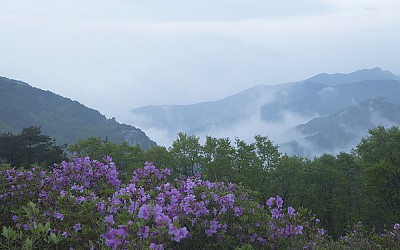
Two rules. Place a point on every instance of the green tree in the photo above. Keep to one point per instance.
(286, 180)
(247, 166)
(92, 146)
(267, 152)
(351, 211)
(186, 152)
(380, 156)
(326, 192)
(9, 148)
(30, 147)
(159, 156)
(125, 157)
(245, 156)
(218, 156)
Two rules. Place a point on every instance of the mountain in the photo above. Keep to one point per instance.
(22, 105)
(269, 109)
(357, 76)
(310, 98)
(344, 129)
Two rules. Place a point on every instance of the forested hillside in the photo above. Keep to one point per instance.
(65, 120)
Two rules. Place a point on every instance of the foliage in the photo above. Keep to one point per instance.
(65, 120)
(217, 160)
(126, 157)
(29, 147)
(83, 204)
(380, 155)
(64, 195)
(186, 153)
(342, 189)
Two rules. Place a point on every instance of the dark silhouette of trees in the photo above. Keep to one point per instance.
(29, 147)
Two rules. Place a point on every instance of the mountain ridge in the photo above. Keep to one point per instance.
(271, 107)
(68, 121)
(356, 76)
(345, 127)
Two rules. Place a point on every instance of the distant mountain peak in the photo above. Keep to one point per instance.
(356, 76)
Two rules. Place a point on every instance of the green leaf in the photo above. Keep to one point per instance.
(40, 228)
(6, 232)
(244, 218)
(46, 227)
(28, 243)
(53, 238)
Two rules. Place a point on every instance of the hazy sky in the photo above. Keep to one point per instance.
(116, 55)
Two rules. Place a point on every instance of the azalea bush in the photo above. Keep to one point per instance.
(83, 204)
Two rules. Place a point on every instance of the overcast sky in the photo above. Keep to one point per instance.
(116, 55)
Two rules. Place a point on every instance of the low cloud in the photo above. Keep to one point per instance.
(327, 91)
(245, 129)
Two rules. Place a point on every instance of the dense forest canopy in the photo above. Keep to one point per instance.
(361, 186)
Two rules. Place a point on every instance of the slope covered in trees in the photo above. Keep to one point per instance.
(61, 118)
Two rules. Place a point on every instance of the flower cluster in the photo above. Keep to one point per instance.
(84, 202)
(59, 194)
(178, 214)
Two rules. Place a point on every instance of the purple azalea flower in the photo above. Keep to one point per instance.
(396, 226)
(144, 212)
(270, 202)
(156, 246)
(275, 213)
(58, 215)
(288, 230)
(43, 194)
(111, 238)
(290, 211)
(238, 211)
(143, 232)
(298, 230)
(262, 240)
(81, 199)
(157, 212)
(77, 227)
(279, 201)
(213, 226)
(253, 236)
(122, 231)
(109, 219)
(63, 193)
(177, 234)
(65, 234)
